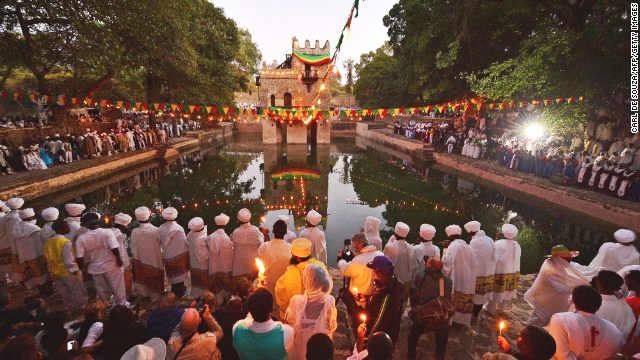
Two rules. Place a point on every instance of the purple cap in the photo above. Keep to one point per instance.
(382, 264)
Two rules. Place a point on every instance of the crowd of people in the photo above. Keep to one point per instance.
(261, 298)
(126, 135)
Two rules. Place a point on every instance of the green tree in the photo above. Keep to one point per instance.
(379, 83)
(349, 66)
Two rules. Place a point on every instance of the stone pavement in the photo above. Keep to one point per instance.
(464, 343)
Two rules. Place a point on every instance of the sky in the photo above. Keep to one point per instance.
(273, 23)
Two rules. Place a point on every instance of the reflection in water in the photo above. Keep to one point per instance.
(344, 182)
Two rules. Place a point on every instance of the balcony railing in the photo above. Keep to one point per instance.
(309, 76)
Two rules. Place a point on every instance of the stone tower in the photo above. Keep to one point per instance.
(294, 84)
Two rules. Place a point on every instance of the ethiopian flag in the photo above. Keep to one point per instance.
(295, 173)
(313, 60)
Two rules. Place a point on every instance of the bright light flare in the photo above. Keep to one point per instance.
(260, 266)
(534, 131)
(363, 317)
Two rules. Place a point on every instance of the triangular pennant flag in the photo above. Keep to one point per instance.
(33, 97)
(192, 108)
(119, 104)
(546, 102)
(225, 110)
(208, 108)
(88, 101)
(173, 107)
(103, 103)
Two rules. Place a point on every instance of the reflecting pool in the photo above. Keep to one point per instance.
(345, 181)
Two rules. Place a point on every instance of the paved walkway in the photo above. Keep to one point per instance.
(21, 178)
(582, 193)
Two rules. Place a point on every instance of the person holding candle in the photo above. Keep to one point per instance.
(361, 276)
(425, 288)
(313, 312)
(275, 255)
(534, 343)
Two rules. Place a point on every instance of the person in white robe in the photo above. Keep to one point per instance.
(275, 256)
(146, 248)
(616, 310)
(198, 256)
(507, 269)
(29, 260)
(316, 236)
(425, 247)
(402, 256)
(246, 241)
(97, 252)
(482, 246)
(49, 215)
(175, 251)
(313, 312)
(74, 212)
(7, 223)
(220, 256)
(550, 292)
(120, 223)
(290, 235)
(459, 264)
(372, 231)
(583, 334)
(615, 256)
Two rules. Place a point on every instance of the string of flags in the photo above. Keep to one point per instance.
(282, 114)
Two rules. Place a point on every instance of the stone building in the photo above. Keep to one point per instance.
(294, 84)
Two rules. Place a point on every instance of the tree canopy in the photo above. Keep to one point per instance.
(160, 51)
(507, 50)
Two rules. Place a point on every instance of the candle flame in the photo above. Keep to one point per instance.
(363, 317)
(260, 266)
(355, 290)
(501, 325)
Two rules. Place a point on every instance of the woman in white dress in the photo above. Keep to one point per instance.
(314, 312)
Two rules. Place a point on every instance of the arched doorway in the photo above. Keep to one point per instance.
(287, 101)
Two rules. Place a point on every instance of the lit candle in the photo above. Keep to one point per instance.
(501, 326)
(261, 280)
(355, 290)
(363, 317)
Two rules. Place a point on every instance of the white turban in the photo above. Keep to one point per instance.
(196, 224)
(143, 213)
(50, 214)
(453, 230)
(427, 231)
(74, 209)
(472, 226)
(27, 213)
(624, 236)
(371, 226)
(122, 219)
(170, 213)
(314, 217)
(244, 215)
(402, 229)
(285, 218)
(15, 203)
(509, 231)
(222, 219)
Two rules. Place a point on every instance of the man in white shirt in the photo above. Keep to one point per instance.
(583, 334)
(275, 255)
(258, 333)
(372, 231)
(148, 268)
(361, 275)
(616, 310)
(175, 251)
(220, 256)
(316, 236)
(482, 246)
(246, 241)
(74, 211)
(401, 254)
(290, 235)
(198, 256)
(615, 256)
(459, 264)
(426, 247)
(97, 250)
(120, 223)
